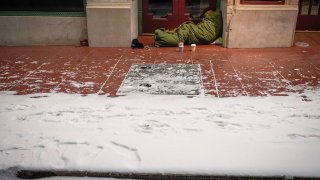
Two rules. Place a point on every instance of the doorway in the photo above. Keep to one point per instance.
(170, 14)
(309, 15)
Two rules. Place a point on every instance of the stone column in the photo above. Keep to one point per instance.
(112, 23)
(259, 26)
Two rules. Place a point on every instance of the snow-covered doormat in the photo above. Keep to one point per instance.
(171, 79)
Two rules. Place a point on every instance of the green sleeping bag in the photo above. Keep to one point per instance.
(205, 32)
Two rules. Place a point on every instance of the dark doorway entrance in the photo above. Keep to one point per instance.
(309, 15)
(171, 13)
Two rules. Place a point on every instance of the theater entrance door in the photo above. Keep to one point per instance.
(170, 14)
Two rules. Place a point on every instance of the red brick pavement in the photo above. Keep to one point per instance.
(225, 72)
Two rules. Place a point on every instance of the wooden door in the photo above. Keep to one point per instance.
(309, 15)
(170, 14)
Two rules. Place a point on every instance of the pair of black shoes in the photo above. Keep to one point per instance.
(135, 44)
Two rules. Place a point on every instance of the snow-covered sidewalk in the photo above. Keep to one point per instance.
(245, 136)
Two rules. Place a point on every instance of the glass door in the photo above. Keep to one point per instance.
(195, 8)
(160, 9)
(159, 13)
(309, 15)
(170, 14)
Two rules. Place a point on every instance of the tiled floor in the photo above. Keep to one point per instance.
(225, 72)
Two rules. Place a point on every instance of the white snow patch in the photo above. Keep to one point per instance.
(258, 136)
(82, 84)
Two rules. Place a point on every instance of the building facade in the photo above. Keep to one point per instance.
(114, 23)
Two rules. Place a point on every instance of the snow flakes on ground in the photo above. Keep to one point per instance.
(258, 136)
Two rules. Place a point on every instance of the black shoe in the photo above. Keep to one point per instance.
(136, 44)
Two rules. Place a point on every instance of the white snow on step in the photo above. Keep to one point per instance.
(258, 136)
